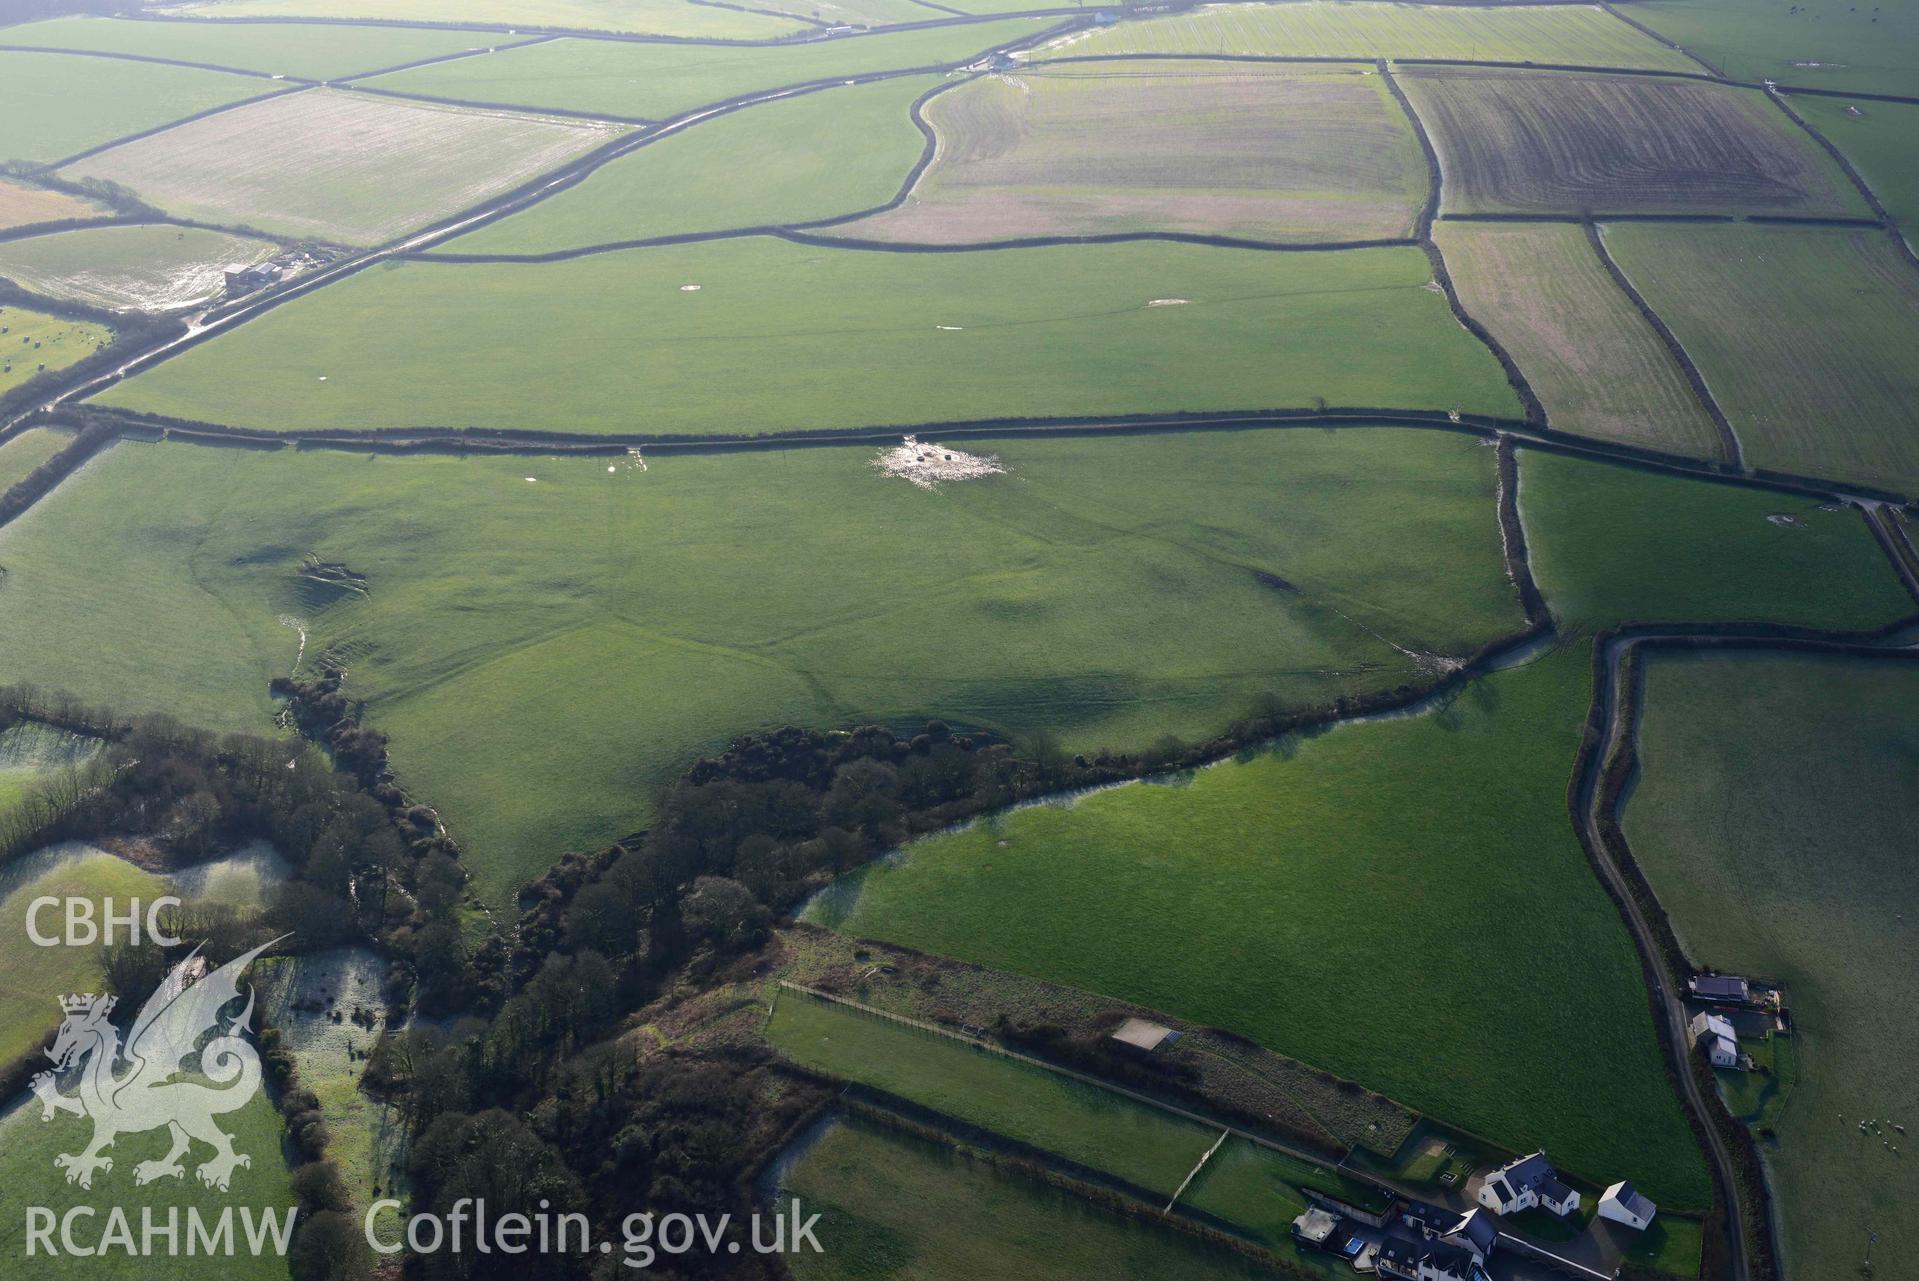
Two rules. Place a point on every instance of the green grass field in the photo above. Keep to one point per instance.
(897, 1207)
(1592, 359)
(808, 338)
(1821, 44)
(35, 342)
(1773, 816)
(32, 979)
(27, 1149)
(1612, 544)
(53, 105)
(815, 156)
(1257, 1191)
(1537, 142)
(1253, 150)
(28, 450)
(1808, 338)
(1401, 902)
(1572, 34)
(643, 17)
(654, 81)
(146, 268)
(314, 51)
(1881, 139)
(546, 655)
(370, 167)
(1082, 1123)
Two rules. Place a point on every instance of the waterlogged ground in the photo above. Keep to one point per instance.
(329, 1008)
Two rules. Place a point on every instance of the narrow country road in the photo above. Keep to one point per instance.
(1666, 985)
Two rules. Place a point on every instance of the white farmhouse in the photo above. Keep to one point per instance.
(1525, 1183)
(1623, 1203)
(1715, 1031)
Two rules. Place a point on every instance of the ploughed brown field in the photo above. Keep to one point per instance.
(1560, 142)
(1252, 151)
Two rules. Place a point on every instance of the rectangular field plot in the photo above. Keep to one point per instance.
(1290, 898)
(315, 51)
(780, 337)
(368, 168)
(1561, 142)
(1617, 544)
(1808, 338)
(655, 81)
(1773, 816)
(1578, 35)
(1821, 44)
(145, 268)
(548, 653)
(1592, 358)
(946, 1216)
(55, 105)
(815, 155)
(33, 343)
(1082, 1123)
(1252, 151)
(640, 17)
(22, 204)
(1881, 139)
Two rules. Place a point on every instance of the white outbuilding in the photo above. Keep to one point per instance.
(1623, 1203)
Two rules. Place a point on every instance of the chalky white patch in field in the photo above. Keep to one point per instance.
(926, 465)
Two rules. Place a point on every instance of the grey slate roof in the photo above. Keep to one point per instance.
(1528, 1172)
(1477, 1227)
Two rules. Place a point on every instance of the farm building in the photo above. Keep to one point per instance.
(1143, 1036)
(1716, 1033)
(1724, 989)
(1525, 1183)
(242, 278)
(1623, 1203)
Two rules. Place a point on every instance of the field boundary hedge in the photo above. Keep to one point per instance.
(1535, 409)
(148, 57)
(1880, 212)
(634, 37)
(440, 440)
(1695, 378)
(1353, 59)
(52, 165)
(436, 58)
(890, 1112)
